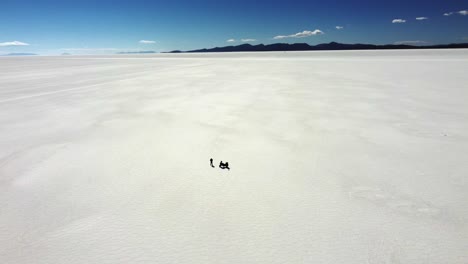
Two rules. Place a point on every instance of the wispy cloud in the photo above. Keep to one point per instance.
(461, 12)
(13, 43)
(248, 40)
(303, 34)
(422, 18)
(147, 41)
(339, 27)
(231, 40)
(398, 21)
(410, 42)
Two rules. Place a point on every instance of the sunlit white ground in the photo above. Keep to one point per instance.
(336, 157)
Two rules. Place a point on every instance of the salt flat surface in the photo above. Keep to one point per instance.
(336, 157)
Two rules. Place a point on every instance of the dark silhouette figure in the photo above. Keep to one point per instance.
(211, 163)
(224, 165)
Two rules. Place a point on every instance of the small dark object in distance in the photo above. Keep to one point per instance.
(224, 165)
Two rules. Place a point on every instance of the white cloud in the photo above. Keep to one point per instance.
(13, 43)
(303, 34)
(231, 40)
(339, 27)
(248, 40)
(147, 41)
(422, 18)
(461, 12)
(398, 20)
(410, 42)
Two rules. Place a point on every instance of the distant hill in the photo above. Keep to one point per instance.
(20, 54)
(325, 46)
(137, 52)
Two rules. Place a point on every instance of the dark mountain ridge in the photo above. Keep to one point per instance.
(325, 46)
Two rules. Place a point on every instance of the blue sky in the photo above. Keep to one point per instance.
(93, 27)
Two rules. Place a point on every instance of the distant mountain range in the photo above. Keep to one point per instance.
(20, 54)
(137, 52)
(325, 46)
